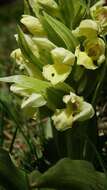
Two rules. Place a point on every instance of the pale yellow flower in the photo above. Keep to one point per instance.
(99, 14)
(62, 119)
(25, 64)
(62, 56)
(18, 57)
(95, 49)
(56, 73)
(84, 60)
(87, 28)
(93, 55)
(59, 71)
(76, 110)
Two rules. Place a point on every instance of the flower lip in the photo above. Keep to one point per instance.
(84, 60)
(56, 73)
(59, 71)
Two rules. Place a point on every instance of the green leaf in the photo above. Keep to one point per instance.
(54, 98)
(35, 175)
(73, 174)
(77, 17)
(82, 84)
(62, 31)
(80, 10)
(28, 54)
(54, 95)
(64, 87)
(26, 8)
(67, 9)
(51, 33)
(10, 176)
(34, 6)
(32, 176)
(34, 84)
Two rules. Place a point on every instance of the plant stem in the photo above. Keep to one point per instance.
(1, 127)
(12, 114)
(101, 79)
(13, 140)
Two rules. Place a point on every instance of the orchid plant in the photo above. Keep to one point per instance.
(62, 61)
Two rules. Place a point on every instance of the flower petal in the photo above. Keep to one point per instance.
(62, 120)
(56, 73)
(87, 112)
(76, 110)
(35, 100)
(95, 48)
(88, 28)
(61, 55)
(84, 60)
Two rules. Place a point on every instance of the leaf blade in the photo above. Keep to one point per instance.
(10, 176)
(62, 31)
(37, 85)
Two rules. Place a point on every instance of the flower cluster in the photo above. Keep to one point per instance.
(50, 51)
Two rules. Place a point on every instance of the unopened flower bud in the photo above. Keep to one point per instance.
(25, 64)
(50, 6)
(20, 90)
(18, 57)
(30, 43)
(34, 100)
(48, 3)
(33, 25)
(43, 43)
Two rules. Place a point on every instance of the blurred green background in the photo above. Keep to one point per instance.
(10, 13)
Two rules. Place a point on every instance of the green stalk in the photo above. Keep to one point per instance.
(92, 130)
(76, 148)
(1, 127)
(101, 79)
(18, 126)
(13, 140)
